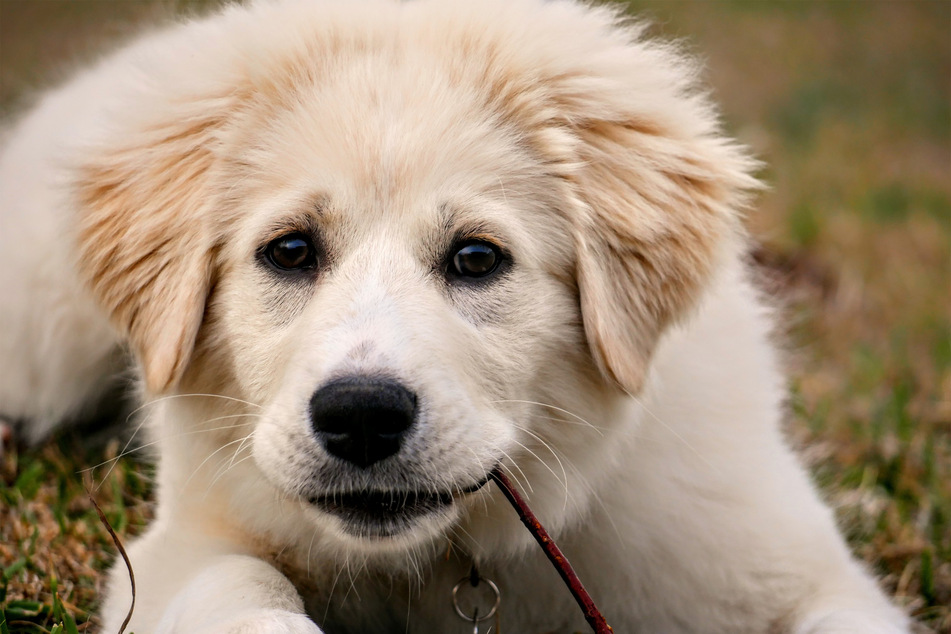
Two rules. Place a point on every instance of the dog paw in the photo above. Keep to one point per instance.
(888, 621)
(264, 622)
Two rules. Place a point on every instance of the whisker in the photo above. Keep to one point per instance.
(333, 584)
(580, 420)
(163, 439)
(527, 486)
(409, 607)
(545, 464)
(240, 447)
(226, 417)
(610, 516)
(221, 475)
(156, 401)
(485, 474)
(122, 453)
(210, 456)
(125, 447)
(640, 402)
(224, 469)
(467, 536)
(412, 556)
(553, 453)
(170, 397)
(353, 580)
(310, 548)
(568, 422)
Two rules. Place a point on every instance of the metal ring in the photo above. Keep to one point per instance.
(478, 619)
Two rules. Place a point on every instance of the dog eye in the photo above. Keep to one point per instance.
(291, 253)
(476, 259)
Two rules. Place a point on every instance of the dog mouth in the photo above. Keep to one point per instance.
(382, 514)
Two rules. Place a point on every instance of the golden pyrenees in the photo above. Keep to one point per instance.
(365, 252)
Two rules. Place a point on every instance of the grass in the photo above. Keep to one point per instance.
(849, 104)
(53, 547)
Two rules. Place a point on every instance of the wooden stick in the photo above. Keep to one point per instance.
(591, 613)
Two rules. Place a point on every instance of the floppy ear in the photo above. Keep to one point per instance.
(144, 241)
(657, 187)
(658, 210)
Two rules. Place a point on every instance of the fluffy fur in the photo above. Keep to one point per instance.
(620, 368)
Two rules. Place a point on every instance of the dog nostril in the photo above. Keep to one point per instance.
(362, 420)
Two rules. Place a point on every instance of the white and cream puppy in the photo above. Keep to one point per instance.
(365, 252)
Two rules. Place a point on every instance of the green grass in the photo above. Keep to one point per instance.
(849, 104)
(53, 547)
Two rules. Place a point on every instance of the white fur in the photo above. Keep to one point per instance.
(621, 372)
(56, 348)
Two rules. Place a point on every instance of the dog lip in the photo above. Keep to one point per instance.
(382, 513)
(393, 502)
(475, 487)
(384, 503)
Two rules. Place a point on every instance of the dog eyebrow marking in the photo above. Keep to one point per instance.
(458, 225)
(307, 222)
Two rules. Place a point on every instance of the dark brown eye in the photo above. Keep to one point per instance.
(475, 259)
(292, 252)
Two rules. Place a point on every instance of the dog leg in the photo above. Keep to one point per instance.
(237, 594)
(199, 588)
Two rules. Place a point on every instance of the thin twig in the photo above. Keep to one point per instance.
(122, 552)
(591, 613)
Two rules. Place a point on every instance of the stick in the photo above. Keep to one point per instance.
(125, 557)
(591, 613)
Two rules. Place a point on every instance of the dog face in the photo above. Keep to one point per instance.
(393, 287)
(414, 242)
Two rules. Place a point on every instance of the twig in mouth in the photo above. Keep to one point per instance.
(591, 613)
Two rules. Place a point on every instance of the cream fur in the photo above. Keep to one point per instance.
(620, 370)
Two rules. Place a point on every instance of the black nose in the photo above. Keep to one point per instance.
(362, 420)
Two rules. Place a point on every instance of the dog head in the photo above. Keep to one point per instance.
(423, 240)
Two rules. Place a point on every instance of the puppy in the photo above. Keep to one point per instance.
(364, 253)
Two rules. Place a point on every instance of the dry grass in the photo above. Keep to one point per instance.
(849, 103)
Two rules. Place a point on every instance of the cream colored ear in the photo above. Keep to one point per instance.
(656, 187)
(658, 212)
(145, 248)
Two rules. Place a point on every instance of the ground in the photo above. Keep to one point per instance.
(849, 106)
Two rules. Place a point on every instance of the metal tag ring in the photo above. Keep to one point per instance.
(478, 619)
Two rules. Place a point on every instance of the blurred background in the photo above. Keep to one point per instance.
(848, 104)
